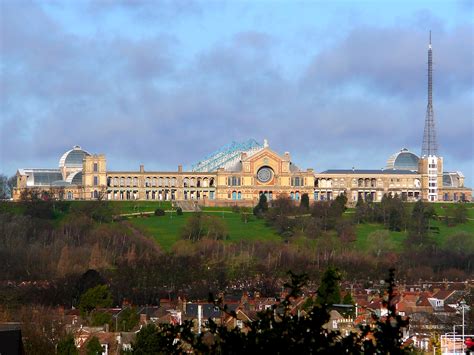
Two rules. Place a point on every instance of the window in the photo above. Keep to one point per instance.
(96, 194)
(296, 181)
(233, 181)
(96, 168)
(96, 180)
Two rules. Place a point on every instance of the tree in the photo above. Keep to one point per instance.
(329, 291)
(128, 319)
(93, 347)
(98, 319)
(95, 297)
(215, 228)
(262, 206)
(4, 190)
(304, 204)
(278, 330)
(149, 341)
(346, 231)
(419, 225)
(66, 346)
(194, 228)
(460, 213)
(379, 243)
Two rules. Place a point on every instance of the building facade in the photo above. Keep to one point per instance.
(242, 179)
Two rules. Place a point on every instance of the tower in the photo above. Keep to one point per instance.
(430, 164)
(430, 144)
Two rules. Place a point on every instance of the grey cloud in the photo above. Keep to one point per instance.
(139, 101)
(393, 60)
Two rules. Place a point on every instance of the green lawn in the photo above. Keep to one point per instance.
(363, 231)
(140, 206)
(166, 230)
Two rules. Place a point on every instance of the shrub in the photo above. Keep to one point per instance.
(235, 209)
(159, 212)
(179, 211)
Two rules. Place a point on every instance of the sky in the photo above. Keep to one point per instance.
(338, 84)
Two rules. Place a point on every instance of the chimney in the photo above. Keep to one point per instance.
(243, 155)
(180, 168)
(142, 168)
(287, 156)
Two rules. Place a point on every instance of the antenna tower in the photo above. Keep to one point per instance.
(430, 144)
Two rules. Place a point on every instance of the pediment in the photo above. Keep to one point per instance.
(264, 153)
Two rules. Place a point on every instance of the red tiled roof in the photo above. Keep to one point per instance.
(443, 294)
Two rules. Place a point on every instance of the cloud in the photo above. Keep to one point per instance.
(392, 61)
(359, 99)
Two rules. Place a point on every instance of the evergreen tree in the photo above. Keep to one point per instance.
(420, 224)
(93, 347)
(329, 291)
(95, 297)
(66, 346)
(262, 206)
(304, 204)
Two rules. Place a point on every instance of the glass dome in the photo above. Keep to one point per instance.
(75, 178)
(73, 158)
(403, 160)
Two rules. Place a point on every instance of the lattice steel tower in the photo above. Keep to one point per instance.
(430, 144)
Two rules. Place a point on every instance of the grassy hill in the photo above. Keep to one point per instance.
(166, 229)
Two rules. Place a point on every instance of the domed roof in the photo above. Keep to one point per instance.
(403, 160)
(75, 178)
(73, 158)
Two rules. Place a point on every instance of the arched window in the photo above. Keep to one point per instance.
(129, 181)
(109, 181)
(173, 181)
(122, 181)
(135, 181)
(185, 182)
(234, 195)
(239, 195)
(316, 183)
(360, 182)
(297, 195)
(211, 183)
(292, 195)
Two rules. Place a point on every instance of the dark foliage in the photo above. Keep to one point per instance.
(159, 212)
(278, 331)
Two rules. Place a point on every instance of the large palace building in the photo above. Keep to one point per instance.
(240, 172)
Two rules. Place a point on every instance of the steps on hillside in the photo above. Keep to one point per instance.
(188, 206)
